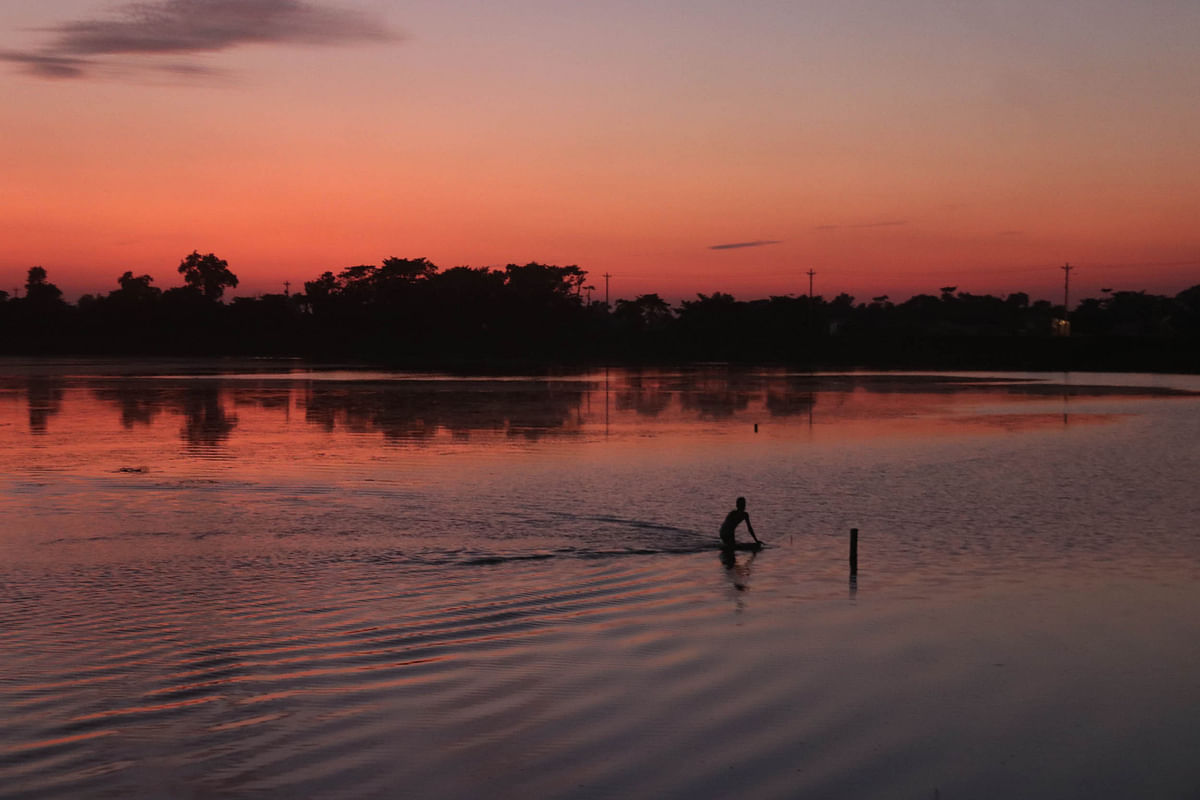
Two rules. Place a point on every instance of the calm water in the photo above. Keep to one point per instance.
(264, 581)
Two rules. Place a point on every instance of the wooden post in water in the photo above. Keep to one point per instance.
(853, 551)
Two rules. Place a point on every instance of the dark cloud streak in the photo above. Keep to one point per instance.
(740, 245)
(186, 27)
(48, 66)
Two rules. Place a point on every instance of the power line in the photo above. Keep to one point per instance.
(985, 270)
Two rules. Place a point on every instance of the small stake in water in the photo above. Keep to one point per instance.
(756, 427)
(854, 551)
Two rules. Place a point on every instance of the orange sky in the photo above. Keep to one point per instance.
(892, 147)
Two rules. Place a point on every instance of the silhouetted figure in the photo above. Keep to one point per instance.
(732, 520)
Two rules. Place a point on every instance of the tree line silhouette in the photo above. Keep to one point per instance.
(410, 312)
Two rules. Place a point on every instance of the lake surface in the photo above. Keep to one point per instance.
(262, 580)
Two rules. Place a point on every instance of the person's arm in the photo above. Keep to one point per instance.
(750, 528)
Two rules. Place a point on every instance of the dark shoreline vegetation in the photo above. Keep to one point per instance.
(408, 313)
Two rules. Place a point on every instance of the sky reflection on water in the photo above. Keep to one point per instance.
(279, 585)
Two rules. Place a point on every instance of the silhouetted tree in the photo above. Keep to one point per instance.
(1187, 304)
(467, 307)
(406, 270)
(1092, 317)
(1139, 314)
(40, 321)
(135, 290)
(710, 325)
(840, 312)
(408, 312)
(645, 312)
(357, 284)
(208, 274)
(39, 292)
(535, 280)
(272, 324)
(541, 310)
(1017, 300)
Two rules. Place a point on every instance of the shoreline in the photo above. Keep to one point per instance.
(959, 354)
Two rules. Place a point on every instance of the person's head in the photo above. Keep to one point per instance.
(741, 504)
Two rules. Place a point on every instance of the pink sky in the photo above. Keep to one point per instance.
(893, 147)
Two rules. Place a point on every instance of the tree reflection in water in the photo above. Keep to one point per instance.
(206, 424)
(645, 395)
(138, 403)
(45, 399)
(716, 400)
(417, 411)
(201, 403)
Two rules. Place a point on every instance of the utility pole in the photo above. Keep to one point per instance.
(607, 275)
(287, 288)
(1066, 268)
(1063, 326)
(812, 312)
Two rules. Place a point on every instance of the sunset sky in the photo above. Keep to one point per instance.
(893, 146)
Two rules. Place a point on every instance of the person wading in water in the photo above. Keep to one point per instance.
(732, 520)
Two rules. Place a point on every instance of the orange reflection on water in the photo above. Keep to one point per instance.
(222, 418)
(27, 747)
(151, 709)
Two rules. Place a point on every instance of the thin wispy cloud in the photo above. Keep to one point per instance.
(890, 223)
(45, 65)
(740, 245)
(188, 27)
